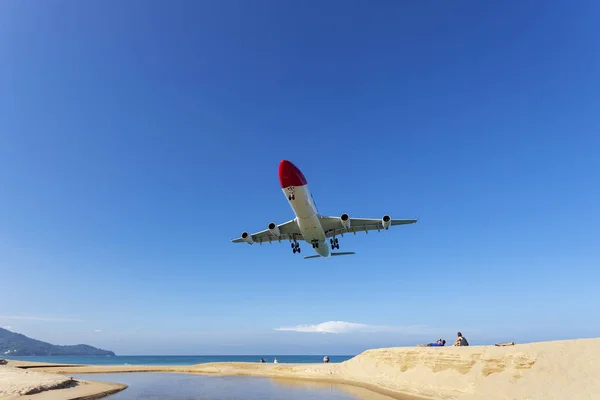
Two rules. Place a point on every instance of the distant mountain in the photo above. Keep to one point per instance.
(15, 344)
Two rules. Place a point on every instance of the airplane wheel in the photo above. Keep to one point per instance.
(298, 249)
(336, 240)
(332, 246)
(330, 241)
(294, 250)
(337, 246)
(293, 245)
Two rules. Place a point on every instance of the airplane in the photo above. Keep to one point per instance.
(309, 225)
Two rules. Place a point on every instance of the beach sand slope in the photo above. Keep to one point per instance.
(15, 381)
(81, 390)
(36, 385)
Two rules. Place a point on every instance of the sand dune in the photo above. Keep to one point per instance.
(15, 381)
(550, 370)
(567, 370)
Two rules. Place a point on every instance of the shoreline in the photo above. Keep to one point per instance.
(283, 372)
(565, 369)
(82, 389)
(19, 383)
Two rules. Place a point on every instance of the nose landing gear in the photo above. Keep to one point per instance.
(334, 243)
(291, 191)
(315, 244)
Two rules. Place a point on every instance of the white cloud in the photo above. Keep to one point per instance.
(97, 330)
(352, 327)
(327, 327)
(39, 318)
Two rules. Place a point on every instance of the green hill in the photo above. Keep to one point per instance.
(15, 344)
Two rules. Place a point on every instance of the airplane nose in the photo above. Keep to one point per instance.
(290, 175)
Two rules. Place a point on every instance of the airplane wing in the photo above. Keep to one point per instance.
(333, 225)
(287, 231)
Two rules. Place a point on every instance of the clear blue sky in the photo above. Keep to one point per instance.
(137, 138)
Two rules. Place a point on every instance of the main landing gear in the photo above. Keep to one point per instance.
(334, 243)
(295, 247)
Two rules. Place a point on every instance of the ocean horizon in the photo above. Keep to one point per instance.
(178, 360)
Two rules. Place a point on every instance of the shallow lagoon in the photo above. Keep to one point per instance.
(173, 386)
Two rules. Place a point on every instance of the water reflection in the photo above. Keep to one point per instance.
(148, 386)
(354, 392)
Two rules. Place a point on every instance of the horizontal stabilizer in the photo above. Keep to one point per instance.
(346, 253)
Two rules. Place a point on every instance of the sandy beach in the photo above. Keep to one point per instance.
(17, 383)
(568, 369)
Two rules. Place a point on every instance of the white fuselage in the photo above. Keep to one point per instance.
(307, 217)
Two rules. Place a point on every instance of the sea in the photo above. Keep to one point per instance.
(175, 360)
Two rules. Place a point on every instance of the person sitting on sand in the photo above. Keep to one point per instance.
(460, 340)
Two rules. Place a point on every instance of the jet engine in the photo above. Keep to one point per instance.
(247, 237)
(345, 220)
(274, 229)
(386, 221)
